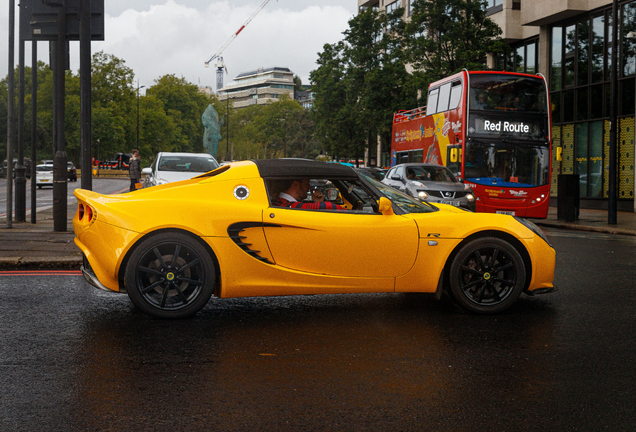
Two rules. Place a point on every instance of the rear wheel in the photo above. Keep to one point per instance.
(487, 275)
(170, 276)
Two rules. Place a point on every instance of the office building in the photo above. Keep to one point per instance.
(259, 87)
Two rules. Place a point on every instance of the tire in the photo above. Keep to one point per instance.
(487, 275)
(170, 276)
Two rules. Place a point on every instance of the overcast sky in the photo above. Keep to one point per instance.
(159, 37)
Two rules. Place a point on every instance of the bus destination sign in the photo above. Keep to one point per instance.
(515, 127)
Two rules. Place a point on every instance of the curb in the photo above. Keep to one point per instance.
(588, 228)
(24, 263)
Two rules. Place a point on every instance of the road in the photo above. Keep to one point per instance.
(44, 196)
(73, 358)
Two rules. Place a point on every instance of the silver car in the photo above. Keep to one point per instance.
(430, 183)
(171, 167)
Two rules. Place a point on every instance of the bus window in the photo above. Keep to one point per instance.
(455, 96)
(444, 97)
(431, 103)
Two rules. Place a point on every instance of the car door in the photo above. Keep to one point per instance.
(341, 243)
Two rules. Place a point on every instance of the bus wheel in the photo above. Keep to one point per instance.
(487, 275)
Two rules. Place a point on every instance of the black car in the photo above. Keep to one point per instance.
(72, 172)
(27, 165)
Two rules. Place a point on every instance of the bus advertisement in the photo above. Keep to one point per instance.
(492, 129)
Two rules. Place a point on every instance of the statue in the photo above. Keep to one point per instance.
(212, 134)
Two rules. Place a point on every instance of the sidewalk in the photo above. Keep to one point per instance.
(37, 246)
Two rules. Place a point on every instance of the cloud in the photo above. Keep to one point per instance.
(177, 37)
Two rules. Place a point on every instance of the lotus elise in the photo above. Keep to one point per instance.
(225, 233)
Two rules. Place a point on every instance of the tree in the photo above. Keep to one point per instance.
(360, 82)
(445, 36)
(184, 104)
(298, 84)
(114, 105)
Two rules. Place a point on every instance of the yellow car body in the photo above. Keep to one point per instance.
(240, 244)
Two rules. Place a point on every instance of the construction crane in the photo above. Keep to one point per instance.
(220, 64)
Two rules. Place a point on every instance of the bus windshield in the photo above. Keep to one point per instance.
(506, 164)
(507, 93)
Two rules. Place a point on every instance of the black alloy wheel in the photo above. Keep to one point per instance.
(170, 275)
(487, 275)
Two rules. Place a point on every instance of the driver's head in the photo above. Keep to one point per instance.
(299, 189)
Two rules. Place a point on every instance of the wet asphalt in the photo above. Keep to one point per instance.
(73, 358)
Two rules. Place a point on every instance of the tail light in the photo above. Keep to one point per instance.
(85, 211)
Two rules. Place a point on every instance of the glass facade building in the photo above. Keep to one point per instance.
(579, 75)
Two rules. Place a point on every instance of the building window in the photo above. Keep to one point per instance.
(391, 7)
(522, 58)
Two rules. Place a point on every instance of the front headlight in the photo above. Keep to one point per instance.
(532, 227)
(422, 195)
(470, 197)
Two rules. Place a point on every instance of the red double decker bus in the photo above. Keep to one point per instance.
(492, 129)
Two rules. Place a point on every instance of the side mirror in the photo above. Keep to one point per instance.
(146, 171)
(385, 206)
(396, 177)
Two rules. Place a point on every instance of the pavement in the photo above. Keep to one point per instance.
(27, 246)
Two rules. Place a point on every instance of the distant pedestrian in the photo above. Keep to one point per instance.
(135, 170)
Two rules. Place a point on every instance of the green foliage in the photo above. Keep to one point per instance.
(169, 115)
(274, 130)
(184, 105)
(364, 79)
(458, 35)
(360, 82)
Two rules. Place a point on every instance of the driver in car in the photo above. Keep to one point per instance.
(295, 191)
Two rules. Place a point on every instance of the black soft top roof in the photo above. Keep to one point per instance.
(297, 168)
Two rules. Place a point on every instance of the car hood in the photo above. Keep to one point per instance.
(175, 176)
(433, 185)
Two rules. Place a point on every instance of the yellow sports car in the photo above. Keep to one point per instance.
(292, 226)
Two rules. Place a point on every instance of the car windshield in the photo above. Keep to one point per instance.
(430, 173)
(403, 201)
(187, 164)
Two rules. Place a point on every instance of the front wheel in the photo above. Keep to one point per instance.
(170, 276)
(487, 275)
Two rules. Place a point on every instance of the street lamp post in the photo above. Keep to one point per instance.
(138, 112)
(612, 192)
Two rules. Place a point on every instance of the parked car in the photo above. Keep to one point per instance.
(172, 247)
(44, 175)
(5, 164)
(72, 172)
(171, 167)
(430, 183)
